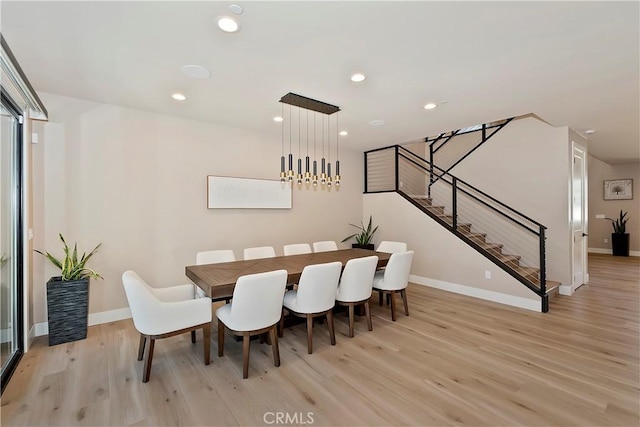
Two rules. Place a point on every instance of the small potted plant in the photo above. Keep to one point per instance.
(68, 294)
(364, 237)
(620, 237)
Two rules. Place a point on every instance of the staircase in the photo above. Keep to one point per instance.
(511, 240)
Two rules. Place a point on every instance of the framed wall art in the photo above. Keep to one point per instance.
(225, 192)
(618, 189)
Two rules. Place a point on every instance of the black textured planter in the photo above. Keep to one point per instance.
(68, 309)
(620, 244)
(359, 246)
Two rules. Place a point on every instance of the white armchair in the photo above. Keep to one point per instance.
(325, 246)
(165, 312)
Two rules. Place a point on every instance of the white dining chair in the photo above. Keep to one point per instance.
(391, 247)
(315, 297)
(165, 312)
(325, 246)
(259, 252)
(256, 308)
(214, 257)
(395, 278)
(355, 287)
(297, 248)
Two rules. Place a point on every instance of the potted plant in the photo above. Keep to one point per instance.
(363, 238)
(619, 237)
(68, 294)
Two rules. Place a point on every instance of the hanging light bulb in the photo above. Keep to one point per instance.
(290, 172)
(337, 178)
(299, 177)
(283, 173)
(329, 152)
(307, 174)
(315, 155)
(323, 161)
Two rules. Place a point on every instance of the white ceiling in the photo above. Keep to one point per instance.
(573, 64)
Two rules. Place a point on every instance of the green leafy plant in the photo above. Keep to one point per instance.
(619, 224)
(365, 235)
(72, 267)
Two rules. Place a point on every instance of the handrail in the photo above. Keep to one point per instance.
(471, 199)
(458, 180)
(475, 189)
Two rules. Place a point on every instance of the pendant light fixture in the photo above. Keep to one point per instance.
(310, 176)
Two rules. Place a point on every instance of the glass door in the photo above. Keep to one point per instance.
(11, 280)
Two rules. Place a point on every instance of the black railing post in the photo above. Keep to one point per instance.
(430, 170)
(365, 173)
(454, 202)
(397, 171)
(543, 272)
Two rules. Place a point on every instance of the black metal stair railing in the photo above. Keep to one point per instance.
(510, 239)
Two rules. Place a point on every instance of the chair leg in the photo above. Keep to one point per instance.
(246, 341)
(309, 333)
(392, 294)
(193, 337)
(403, 293)
(206, 342)
(147, 363)
(274, 347)
(380, 297)
(281, 325)
(332, 332)
(220, 339)
(143, 341)
(367, 313)
(351, 315)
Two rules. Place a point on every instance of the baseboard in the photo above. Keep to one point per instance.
(40, 329)
(565, 290)
(609, 251)
(511, 300)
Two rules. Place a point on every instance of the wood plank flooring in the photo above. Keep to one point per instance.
(455, 360)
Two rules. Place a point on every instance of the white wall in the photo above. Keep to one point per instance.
(136, 181)
(527, 166)
(600, 229)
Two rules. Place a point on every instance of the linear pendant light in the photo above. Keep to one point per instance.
(310, 176)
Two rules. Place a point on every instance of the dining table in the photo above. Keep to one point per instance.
(218, 280)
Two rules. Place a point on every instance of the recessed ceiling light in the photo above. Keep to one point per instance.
(358, 77)
(430, 106)
(278, 119)
(178, 97)
(376, 122)
(590, 131)
(344, 133)
(227, 24)
(196, 72)
(236, 9)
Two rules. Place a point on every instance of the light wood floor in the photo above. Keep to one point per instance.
(455, 360)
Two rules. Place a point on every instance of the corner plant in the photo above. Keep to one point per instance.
(365, 235)
(619, 224)
(73, 268)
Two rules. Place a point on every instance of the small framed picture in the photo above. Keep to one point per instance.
(618, 189)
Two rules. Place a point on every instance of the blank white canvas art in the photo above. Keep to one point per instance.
(247, 193)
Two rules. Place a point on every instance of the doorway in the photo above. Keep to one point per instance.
(579, 216)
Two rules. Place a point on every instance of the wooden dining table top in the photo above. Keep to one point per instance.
(218, 280)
